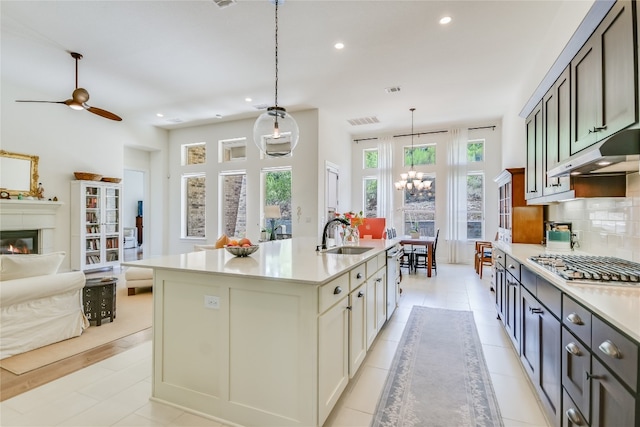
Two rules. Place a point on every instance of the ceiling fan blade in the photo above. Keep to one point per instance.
(47, 102)
(103, 113)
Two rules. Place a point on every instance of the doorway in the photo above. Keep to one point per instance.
(133, 214)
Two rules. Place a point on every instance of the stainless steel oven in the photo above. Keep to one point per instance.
(394, 254)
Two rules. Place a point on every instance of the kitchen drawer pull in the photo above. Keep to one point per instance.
(610, 349)
(575, 319)
(379, 279)
(535, 310)
(499, 257)
(574, 417)
(349, 307)
(337, 290)
(359, 276)
(360, 294)
(573, 349)
(511, 266)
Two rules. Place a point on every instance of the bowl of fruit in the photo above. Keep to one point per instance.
(241, 248)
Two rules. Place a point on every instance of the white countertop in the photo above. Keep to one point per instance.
(290, 259)
(620, 305)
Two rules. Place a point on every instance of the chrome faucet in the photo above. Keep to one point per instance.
(326, 228)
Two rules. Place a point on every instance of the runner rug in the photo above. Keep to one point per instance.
(438, 376)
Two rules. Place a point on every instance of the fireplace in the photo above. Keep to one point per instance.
(33, 222)
(19, 242)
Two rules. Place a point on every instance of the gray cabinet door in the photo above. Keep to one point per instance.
(535, 166)
(604, 80)
(512, 310)
(556, 111)
(612, 404)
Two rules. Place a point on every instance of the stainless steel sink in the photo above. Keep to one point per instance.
(348, 250)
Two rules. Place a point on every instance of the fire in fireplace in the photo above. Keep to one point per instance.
(19, 242)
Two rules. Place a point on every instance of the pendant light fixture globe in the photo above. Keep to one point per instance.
(276, 132)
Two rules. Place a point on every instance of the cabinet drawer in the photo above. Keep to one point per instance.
(616, 351)
(358, 275)
(528, 279)
(332, 292)
(382, 260)
(576, 362)
(549, 295)
(513, 267)
(571, 416)
(499, 257)
(372, 267)
(577, 319)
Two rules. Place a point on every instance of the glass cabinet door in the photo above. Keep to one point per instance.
(112, 224)
(93, 225)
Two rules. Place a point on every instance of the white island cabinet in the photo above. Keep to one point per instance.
(256, 341)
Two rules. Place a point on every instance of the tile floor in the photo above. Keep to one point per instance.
(115, 392)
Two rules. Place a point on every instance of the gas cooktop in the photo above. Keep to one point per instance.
(588, 269)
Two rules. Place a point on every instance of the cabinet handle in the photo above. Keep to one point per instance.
(348, 307)
(511, 266)
(360, 294)
(610, 349)
(574, 416)
(337, 290)
(575, 319)
(592, 377)
(359, 276)
(573, 349)
(499, 256)
(535, 310)
(379, 279)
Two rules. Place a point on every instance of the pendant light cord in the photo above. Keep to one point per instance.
(276, 100)
(412, 110)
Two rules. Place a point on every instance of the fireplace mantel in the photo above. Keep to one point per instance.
(31, 215)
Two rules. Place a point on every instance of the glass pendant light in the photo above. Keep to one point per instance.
(275, 132)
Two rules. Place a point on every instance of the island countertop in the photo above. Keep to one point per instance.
(617, 304)
(291, 259)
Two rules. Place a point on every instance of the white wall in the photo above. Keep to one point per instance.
(68, 141)
(305, 178)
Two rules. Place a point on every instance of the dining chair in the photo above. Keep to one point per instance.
(420, 255)
(483, 256)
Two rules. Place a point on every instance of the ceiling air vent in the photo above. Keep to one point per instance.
(393, 89)
(363, 121)
(224, 3)
(175, 120)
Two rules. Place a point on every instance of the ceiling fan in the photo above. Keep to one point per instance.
(80, 97)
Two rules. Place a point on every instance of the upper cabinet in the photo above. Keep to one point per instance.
(604, 80)
(594, 97)
(535, 165)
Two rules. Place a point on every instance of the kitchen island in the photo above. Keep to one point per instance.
(264, 340)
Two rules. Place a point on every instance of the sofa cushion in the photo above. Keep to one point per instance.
(21, 266)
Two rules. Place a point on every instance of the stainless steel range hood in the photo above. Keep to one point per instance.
(620, 153)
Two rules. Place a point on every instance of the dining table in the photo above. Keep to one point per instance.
(421, 241)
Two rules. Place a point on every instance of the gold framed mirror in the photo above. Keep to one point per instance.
(18, 173)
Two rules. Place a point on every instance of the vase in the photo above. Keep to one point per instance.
(351, 236)
(415, 235)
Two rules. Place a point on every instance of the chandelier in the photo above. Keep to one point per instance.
(412, 181)
(275, 132)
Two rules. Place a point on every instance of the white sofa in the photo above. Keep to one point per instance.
(38, 305)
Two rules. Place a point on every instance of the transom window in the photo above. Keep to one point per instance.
(370, 158)
(422, 155)
(475, 151)
(194, 154)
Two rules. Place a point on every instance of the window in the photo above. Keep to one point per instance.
(232, 150)
(420, 210)
(194, 154)
(475, 206)
(422, 155)
(475, 151)
(370, 197)
(370, 158)
(277, 192)
(234, 204)
(194, 213)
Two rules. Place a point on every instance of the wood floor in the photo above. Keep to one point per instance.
(12, 385)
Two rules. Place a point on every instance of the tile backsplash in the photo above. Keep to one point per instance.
(606, 225)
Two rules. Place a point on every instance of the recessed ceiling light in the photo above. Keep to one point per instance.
(603, 163)
(218, 116)
(339, 45)
(160, 115)
(445, 20)
(248, 99)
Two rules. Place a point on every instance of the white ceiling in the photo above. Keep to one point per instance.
(192, 60)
